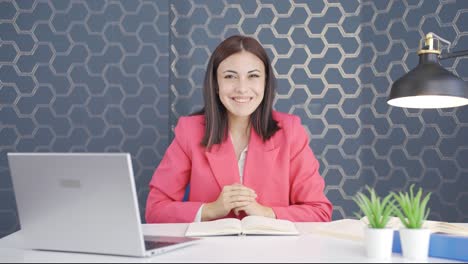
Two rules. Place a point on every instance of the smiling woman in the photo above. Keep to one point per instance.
(241, 80)
(239, 66)
(241, 90)
(240, 157)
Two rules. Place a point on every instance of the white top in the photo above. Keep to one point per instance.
(240, 164)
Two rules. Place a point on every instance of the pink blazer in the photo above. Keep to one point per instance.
(283, 171)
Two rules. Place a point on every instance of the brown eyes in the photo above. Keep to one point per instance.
(232, 76)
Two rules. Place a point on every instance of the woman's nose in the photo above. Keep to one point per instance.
(242, 85)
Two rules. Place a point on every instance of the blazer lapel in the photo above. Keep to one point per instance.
(223, 163)
(260, 159)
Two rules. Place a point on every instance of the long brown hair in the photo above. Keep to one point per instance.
(216, 121)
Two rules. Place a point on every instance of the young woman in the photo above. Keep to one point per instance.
(239, 156)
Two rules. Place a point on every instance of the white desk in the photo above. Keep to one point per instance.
(308, 247)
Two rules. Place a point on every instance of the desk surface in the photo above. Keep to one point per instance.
(308, 247)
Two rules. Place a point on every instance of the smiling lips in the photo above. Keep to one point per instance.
(242, 100)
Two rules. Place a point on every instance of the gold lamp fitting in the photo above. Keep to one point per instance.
(429, 44)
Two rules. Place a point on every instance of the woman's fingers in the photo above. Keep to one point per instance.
(239, 204)
(237, 196)
(239, 191)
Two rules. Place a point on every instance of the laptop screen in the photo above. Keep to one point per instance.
(80, 202)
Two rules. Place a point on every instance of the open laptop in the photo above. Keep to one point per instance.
(82, 202)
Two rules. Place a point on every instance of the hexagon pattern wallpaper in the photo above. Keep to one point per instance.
(114, 76)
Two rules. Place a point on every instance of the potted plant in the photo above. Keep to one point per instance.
(378, 238)
(413, 211)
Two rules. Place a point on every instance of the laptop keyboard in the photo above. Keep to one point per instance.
(150, 245)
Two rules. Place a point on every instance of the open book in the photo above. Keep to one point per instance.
(250, 225)
(353, 229)
(434, 226)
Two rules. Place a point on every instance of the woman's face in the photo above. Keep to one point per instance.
(241, 80)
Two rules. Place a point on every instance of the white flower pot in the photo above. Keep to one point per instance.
(415, 243)
(378, 242)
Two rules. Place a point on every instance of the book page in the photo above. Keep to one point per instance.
(260, 225)
(353, 229)
(350, 229)
(228, 226)
(434, 226)
(447, 228)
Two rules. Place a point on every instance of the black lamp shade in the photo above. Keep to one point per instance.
(429, 85)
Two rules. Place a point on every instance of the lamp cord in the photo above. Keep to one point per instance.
(443, 40)
(456, 54)
(449, 54)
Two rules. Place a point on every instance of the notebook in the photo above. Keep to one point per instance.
(82, 202)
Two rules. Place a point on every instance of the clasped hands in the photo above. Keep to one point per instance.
(238, 198)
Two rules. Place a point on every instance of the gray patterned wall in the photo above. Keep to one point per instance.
(335, 62)
(115, 75)
(83, 76)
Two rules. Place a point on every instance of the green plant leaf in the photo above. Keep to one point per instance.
(411, 207)
(377, 210)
